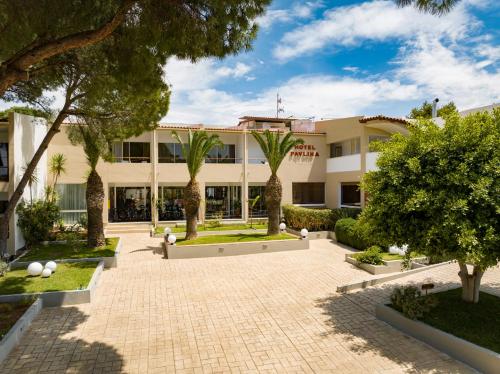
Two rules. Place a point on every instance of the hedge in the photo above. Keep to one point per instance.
(349, 232)
(315, 219)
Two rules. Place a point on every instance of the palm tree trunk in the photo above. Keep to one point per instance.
(95, 200)
(273, 203)
(192, 199)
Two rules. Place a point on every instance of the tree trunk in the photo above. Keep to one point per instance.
(18, 192)
(470, 283)
(273, 194)
(192, 199)
(95, 201)
(17, 67)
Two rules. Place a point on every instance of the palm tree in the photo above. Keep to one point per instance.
(33, 179)
(194, 151)
(435, 7)
(94, 147)
(275, 149)
(57, 167)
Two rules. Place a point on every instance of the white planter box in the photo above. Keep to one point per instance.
(479, 358)
(392, 266)
(234, 249)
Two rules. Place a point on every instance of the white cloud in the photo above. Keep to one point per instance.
(298, 11)
(352, 69)
(375, 21)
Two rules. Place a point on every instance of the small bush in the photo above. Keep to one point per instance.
(411, 303)
(4, 268)
(348, 231)
(312, 219)
(372, 256)
(37, 220)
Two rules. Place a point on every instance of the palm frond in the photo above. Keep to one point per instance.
(435, 7)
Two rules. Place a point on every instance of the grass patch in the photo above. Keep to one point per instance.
(386, 256)
(477, 323)
(71, 276)
(10, 313)
(70, 251)
(207, 227)
(234, 238)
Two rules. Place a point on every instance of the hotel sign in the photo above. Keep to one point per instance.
(304, 150)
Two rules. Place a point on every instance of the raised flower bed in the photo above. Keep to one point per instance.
(390, 264)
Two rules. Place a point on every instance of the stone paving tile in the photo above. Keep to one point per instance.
(265, 313)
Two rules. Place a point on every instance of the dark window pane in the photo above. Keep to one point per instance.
(308, 193)
(166, 152)
(4, 162)
(179, 157)
(212, 156)
(223, 201)
(259, 209)
(350, 194)
(171, 203)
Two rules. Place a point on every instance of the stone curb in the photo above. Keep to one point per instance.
(313, 234)
(60, 298)
(386, 278)
(477, 357)
(12, 338)
(180, 235)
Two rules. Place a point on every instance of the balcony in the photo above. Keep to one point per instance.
(343, 164)
(371, 161)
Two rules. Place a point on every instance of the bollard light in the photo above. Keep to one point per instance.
(46, 273)
(172, 239)
(304, 233)
(282, 226)
(167, 230)
(35, 269)
(51, 265)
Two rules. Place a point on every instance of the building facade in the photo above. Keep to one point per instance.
(145, 182)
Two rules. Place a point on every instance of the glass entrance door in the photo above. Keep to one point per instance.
(130, 204)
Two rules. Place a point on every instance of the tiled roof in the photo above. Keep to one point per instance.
(381, 117)
(268, 119)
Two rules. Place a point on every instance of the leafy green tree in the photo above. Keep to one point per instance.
(35, 31)
(436, 7)
(23, 110)
(195, 150)
(438, 190)
(425, 110)
(275, 148)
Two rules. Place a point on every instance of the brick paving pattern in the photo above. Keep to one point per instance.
(265, 313)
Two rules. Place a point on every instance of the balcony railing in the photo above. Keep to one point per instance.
(258, 161)
(134, 160)
(220, 160)
(343, 163)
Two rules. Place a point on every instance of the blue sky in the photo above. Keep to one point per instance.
(342, 58)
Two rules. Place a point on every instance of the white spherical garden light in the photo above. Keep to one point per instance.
(51, 265)
(167, 230)
(172, 239)
(46, 273)
(282, 226)
(35, 269)
(304, 233)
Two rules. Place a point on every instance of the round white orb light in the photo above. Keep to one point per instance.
(167, 230)
(51, 265)
(304, 233)
(282, 226)
(35, 269)
(172, 239)
(46, 273)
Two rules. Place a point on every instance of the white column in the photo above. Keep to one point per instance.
(244, 187)
(154, 179)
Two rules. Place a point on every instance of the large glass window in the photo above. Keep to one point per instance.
(259, 209)
(350, 195)
(170, 153)
(4, 162)
(130, 204)
(136, 152)
(222, 202)
(345, 148)
(170, 203)
(308, 193)
(71, 201)
(222, 155)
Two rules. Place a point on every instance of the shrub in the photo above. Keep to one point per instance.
(37, 220)
(312, 219)
(4, 268)
(411, 303)
(348, 231)
(372, 255)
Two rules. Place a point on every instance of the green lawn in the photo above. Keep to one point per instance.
(478, 323)
(70, 251)
(207, 227)
(391, 257)
(67, 277)
(234, 238)
(10, 313)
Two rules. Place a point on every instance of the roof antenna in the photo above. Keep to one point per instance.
(279, 108)
(434, 107)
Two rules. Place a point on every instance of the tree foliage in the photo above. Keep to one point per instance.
(425, 110)
(435, 7)
(438, 190)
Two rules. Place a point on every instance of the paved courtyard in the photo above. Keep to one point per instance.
(273, 312)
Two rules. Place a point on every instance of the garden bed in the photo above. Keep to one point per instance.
(392, 263)
(467, 332)
(72, 252)
(72, 283)
(159, 230)
(234, 244)
(16, 318)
